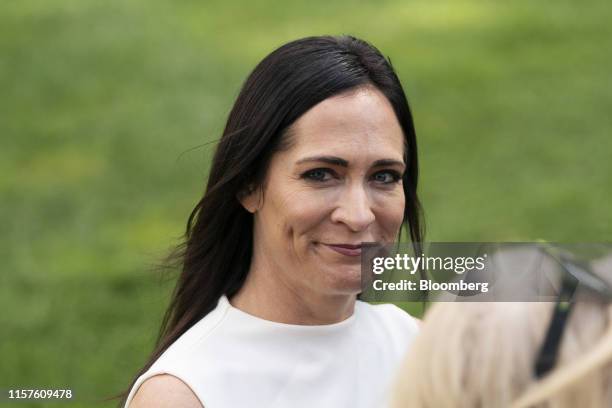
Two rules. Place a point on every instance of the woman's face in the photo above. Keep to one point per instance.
(337, 185)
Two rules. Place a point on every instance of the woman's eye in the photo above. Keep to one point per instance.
(386, 177)
(318, 175)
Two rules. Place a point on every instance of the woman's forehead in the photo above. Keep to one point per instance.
(362, 120)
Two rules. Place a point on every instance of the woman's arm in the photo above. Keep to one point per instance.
(164, 391)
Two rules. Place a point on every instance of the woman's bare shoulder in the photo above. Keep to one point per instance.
(165, 391)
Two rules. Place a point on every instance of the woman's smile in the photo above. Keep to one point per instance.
(349, 250)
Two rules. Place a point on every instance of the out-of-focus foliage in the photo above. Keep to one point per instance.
(106, 108)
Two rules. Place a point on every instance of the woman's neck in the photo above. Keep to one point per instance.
(275, 300)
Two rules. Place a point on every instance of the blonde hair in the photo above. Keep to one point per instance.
(483, 355)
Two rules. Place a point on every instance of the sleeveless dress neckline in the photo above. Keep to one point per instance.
(319, 328)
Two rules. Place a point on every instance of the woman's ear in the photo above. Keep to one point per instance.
(251, 198)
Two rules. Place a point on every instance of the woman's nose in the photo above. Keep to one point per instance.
(354, 209)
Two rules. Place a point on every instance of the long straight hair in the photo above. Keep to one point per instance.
(216, 253)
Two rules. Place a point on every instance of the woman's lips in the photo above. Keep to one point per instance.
(345, 249)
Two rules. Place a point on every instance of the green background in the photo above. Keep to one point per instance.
(109, 111)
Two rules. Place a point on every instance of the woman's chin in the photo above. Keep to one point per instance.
(345, 279)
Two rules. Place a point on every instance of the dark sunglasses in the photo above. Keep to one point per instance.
(576, 275)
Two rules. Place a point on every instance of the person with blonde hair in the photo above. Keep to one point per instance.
(518, 355)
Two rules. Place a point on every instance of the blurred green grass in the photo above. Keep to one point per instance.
(107, 106)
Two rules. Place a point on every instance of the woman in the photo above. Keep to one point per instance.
(484, 355)
(318, 155)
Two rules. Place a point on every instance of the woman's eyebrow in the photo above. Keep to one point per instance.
(337, 161)
(388, 162)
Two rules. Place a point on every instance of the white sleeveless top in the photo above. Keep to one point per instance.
(231, 359)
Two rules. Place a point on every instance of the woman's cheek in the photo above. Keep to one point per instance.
(314, 203)
(390, 211)
(301, 210)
